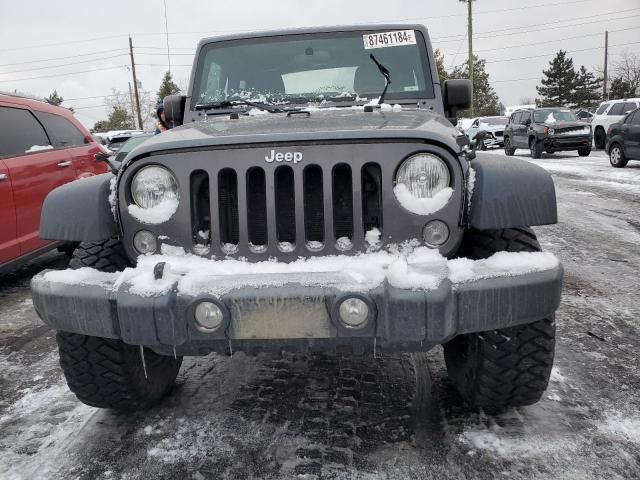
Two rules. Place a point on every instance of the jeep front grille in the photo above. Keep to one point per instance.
(297, 210)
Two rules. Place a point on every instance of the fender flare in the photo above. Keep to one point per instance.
(79, 211)
(510, 193)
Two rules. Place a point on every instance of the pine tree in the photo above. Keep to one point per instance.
(54, 98)
(442, 70)
(559, 84)
(485, 99)
(167, 87)
(119, 119)
(588, 89)
(620, 89)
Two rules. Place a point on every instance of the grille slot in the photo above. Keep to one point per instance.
(342, 201)
(228, 206)
(257, 207)
(313, 204)
(371, 197)
(200, 208)
(285, 205)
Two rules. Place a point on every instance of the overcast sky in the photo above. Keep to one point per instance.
(33, 30)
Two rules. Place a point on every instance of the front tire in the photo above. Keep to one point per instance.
(536, 148)
(584, 152)
(108, 373)
(617, 159)
(599, 138)
(506, 367)
(509, 151)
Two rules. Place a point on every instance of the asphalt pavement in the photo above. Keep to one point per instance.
(319, 416)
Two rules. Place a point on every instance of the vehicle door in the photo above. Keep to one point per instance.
(9, 245)
(520, 130)
(631, 136)
(64, 134)
(35, 168)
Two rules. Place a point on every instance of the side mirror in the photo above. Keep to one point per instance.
(457, 96)
(174, 109)
(101, 156)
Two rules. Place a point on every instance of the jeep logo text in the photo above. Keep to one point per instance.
(294, 157)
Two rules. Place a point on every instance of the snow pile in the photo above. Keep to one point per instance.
(422, 206)
(500, 264)
(372, 237)
(113, 189)
(550, 118)
(405, 267)
(471, 183)
(39, 148)
(154, 215)
(622, 427)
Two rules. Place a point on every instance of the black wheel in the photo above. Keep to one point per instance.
(108, 373)
(536, 148)
(584, 152)
(497, 369)
(599, 138)
(617, 157)
(508, 149)
(106, 256)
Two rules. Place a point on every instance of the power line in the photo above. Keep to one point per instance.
(64, 74)
(71, 42)
(548, 25)
(553, 53)
(63, 58)
(64, 64)
(88, 98)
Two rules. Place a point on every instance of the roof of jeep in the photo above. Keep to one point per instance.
(302, 31)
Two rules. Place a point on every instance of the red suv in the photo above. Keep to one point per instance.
(41, 147)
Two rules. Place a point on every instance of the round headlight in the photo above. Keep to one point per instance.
(154, 185)
(424, 175)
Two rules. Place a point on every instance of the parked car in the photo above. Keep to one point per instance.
(490, 128)
(41, 147)
(547, 130)
(364, 211)
(623, 140)
(116, 142)
(609, 113)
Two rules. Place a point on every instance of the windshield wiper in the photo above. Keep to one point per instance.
(387, 77)
(232, 103)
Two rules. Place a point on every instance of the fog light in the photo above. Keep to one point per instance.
(354, 312)
(145, 242)
(209, 316)
(435, 233)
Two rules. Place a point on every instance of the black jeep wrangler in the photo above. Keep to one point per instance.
(547, 130)
(316, 196)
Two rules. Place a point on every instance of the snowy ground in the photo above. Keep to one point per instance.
(318, 417)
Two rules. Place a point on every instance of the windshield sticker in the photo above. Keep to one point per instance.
(389, 39)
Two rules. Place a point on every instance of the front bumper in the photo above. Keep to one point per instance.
(560, 143)
(295, 316)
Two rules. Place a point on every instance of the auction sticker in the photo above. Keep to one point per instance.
(389, 39)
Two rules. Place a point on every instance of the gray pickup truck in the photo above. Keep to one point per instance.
(314, 195)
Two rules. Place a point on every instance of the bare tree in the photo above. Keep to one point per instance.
(627, 70)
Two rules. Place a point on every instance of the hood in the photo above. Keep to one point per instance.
(564, 124)
(491, 128)
(348, 123)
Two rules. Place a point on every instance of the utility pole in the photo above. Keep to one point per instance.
(133, 105)
(135, 83)
(470, 37)
(606, 63)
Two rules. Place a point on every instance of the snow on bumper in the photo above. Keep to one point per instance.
(416, 299)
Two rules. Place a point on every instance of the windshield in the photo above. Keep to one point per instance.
(553, 115)
(495, 120)
(313, 67)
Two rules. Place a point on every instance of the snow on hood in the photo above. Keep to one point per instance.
(405, 266)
